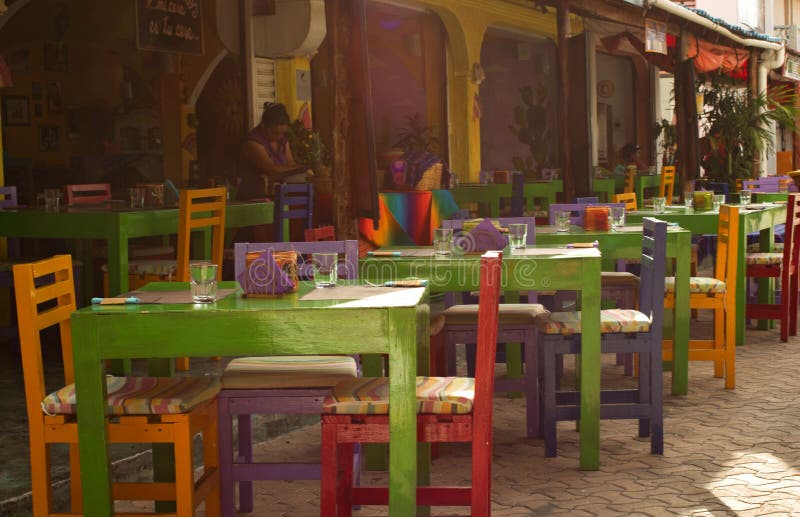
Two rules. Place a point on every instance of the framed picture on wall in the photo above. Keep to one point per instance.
(16, 110)
(48, 138)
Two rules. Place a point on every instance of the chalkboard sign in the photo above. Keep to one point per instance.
(170, 26)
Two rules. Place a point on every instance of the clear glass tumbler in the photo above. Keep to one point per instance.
(563, 220)
(717, 200)
(203, 276)
(744, 197)
(326, 269)
(442, 241)
(617, 217)
(659, 205)
(517, 235)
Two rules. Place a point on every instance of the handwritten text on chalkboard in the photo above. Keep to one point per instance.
(170, 25)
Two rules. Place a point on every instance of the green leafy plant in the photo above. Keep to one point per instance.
(416, 136)
(531, 128)
(738, 127)
(307, 146)
(669, 140)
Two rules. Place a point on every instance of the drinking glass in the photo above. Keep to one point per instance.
(617, 217)
(52, 199)
(563, 220)
(717, 200)
(783, 186)
(744, 197)
(137, 196)
(326, 269)
(442, 241)
(688, 199)
(659, 204)
(517, 235)
(203, 283)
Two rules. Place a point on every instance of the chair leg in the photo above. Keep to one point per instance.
(548, 398)
(449, 354)
(644, 383)
(40, 472)
(227, 482)
(328, 470)
(344, 485)
(75, 494)
(182, 364)
(656, 398)
(720, 338)
(211, 459)
(245, 455)
(794, 297)
(184, 472)
(730, 351)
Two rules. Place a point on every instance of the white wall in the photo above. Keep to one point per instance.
(619, 71)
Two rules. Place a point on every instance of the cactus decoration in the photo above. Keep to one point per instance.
(531, 128)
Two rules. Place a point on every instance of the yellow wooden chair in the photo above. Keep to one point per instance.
(666, 188)
(717, 293)
(45, 296)
(629, 198)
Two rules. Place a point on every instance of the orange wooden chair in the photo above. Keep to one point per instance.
(88, 193)
(630, 179)
(666, 188)
(629, 198)
(780, 265)
(185, 405)
(719, 294)
(450, 409)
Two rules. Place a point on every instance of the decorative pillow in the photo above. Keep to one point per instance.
(763, 259)
(611, 321)
(484, 237)
(269, 273)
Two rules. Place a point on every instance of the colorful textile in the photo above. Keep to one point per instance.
(408, 218)
(141, 395)
(509, 313)
(288, 371)
(370, 396)
(697, 285)
(763, 258)
(612, 321)
(485, 236)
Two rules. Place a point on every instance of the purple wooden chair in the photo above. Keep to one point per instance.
(293, 201)
(270, 385)
(769, 184)
(589, 200)
(622, 331)
(516, 326)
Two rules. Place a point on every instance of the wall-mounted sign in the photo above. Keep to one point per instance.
(170, 26)
(791, 68)
(655, 36)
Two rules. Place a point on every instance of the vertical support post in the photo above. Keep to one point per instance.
(563, 105)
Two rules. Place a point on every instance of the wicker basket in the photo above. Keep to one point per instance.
(431, 179)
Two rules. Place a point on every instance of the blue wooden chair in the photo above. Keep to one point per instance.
(517, 322)
(275, 385)
(292, 201)
(622, 331)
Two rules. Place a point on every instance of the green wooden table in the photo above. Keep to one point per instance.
(616, 184)
(543, 191)
(761, 220)
(627, 243)
(116, 226)
(773, 197)
(535, 268)
(396, 324)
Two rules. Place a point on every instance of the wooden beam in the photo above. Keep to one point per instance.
(567, 173)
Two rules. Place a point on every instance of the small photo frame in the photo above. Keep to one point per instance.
(49, 138)
(16, 111)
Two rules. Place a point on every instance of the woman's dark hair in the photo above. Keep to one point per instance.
(274, 115)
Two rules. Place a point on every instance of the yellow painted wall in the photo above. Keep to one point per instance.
(466, 22)
(286, 83)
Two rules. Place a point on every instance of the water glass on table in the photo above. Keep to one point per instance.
(326, 269)
(203, 281)
(716, 201)
(563, 220)
(688, 199)
(744, 197)
(517, 235)
(617, 214)
(442, 241)
(52, 199)
(659, 205)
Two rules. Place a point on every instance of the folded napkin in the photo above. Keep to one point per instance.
(268, 274)
(483, 237)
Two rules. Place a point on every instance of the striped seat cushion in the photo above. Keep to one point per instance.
(510, 313)
(611, 321)
(141, 395)
(756, 247)
(763, 259)
(697, 285)
(288, 371)
(370, 396)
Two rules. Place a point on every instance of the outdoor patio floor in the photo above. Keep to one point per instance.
(727, 452)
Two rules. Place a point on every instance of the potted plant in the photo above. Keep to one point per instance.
(531, 128)
(309, 149)
(669, 141)
(738, 127)
(416, 136)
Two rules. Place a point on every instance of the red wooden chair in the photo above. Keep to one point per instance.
(450, 409)
(88, 193)
(780, 265)
(323, 233)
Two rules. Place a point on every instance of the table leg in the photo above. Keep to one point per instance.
(682, 313)
(117, 284)
(163, 453)
(766, 286)
(375, 453)
(590, 368)
(402, 411)
(90, 390)
(513, 351)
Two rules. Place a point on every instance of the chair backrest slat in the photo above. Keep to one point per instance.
(791, 240)
(200, 208)
(349, 249)
(654, 253)
(630, 179)
(666, 188)
(628, 199)
(727, 247)
(769, 184)
(293, 201)
(488, 320)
